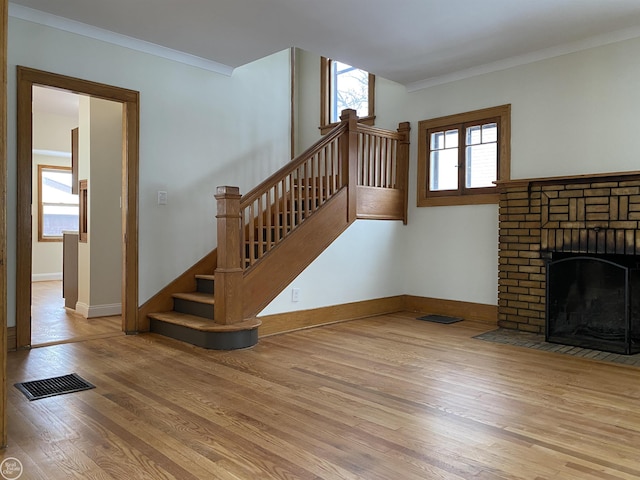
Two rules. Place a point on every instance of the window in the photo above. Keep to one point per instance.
(343, 86)
(58, 207)
(461, 156)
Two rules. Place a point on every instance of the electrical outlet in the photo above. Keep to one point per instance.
(162, 198)
(295, 294)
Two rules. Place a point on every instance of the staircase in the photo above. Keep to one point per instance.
(191, 321)
(270, 235)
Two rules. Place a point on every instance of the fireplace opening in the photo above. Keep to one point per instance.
(593, 301)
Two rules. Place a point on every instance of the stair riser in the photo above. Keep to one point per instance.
(204, 285)
(203, 310)
(210, 340)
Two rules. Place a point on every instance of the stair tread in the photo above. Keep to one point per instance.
(203, 324)
(206, 277)
(198, 297)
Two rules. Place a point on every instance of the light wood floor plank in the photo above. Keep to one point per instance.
(52, 323)
(382, 398)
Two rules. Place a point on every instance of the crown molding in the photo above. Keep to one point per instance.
(72, 26)
(573, 47)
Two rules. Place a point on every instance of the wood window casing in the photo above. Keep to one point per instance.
(463, 195)
(326, 98)
(42, 237)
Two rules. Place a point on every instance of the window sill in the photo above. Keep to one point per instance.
(49, 239)
(479, 199)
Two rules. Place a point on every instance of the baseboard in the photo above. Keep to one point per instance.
(46, 277)
(286, 322)
(290, 321)
(479, 312)
(93, 311)
(12, 339)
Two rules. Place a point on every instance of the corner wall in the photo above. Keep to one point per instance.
(571, 115)
(198, 130)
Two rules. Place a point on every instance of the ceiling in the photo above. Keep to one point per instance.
(412, 42)
(54, 101)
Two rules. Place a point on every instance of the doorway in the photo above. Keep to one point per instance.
(27, 79)
(60, 121)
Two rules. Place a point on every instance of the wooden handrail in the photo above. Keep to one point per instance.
(350, 157)
(252, 194)
(275, 208)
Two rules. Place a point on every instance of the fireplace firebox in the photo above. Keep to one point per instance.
(593, 301)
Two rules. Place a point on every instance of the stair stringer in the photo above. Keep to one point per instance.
(264, 281)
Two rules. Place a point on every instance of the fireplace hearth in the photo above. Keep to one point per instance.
(593, 302)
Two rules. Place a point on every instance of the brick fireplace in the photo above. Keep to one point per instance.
(596, 215)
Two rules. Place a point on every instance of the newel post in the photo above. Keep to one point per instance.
(228, 274)
(349, 152)
(402, 156)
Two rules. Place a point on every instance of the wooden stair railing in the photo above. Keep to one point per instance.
(270, 235)
(284, 200)
(383, 172)
(352, 160)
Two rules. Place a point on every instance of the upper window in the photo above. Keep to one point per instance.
(460, 157)
(58, 207)
(343, 86)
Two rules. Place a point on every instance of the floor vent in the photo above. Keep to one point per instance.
(50, 387)
(439, 319)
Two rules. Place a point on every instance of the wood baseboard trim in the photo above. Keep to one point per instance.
(479, 312)
(290, 321)
(12, 339)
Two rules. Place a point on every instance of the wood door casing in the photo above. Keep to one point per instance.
(130, 100)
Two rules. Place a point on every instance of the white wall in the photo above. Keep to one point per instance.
(362, 263)
(100, 163)
(571, 115)
(105, 187)
(51, 133)
(358, 266)
(198, 130)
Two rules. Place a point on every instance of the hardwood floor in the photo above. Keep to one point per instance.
(387, 398)
(51, 323)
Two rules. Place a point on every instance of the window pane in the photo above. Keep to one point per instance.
(482, 165)
(437, 141)
(489, 133)
(473, 135)
(350, 89)
(452, 139)
(56, 187)
(442, 140)
(57, 218)
(443, 170)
